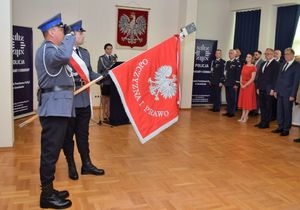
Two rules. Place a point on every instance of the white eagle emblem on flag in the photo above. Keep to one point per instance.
(132, 27)
(164, 84)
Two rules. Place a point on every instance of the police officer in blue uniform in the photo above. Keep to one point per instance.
(215, 80)
(240, 62)
(55, 104)
(79, 125)
(231, 83)
(105, 63)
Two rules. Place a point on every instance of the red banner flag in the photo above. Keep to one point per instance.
(148, 85)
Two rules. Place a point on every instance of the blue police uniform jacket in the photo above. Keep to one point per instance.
(105, 64)
(50, 63)
(217, 72)
(232, 73)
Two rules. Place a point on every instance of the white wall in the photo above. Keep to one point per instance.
(6, 112)
(187, 14)
(216, 22)
(99, 19)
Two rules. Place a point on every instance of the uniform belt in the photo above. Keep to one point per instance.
(80, 83)
(56, 88)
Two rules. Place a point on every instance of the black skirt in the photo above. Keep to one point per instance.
(105, 90)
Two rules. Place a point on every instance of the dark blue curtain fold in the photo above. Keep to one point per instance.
(247, 31)
(286, 25)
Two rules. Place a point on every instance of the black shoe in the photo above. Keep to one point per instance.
(62, 194)
(50, 199)
(297, 140)
(211, 109)
(216, 110)
(277, 130)
(225, 114)
(72, 169)
(263, 126)
(89, 168)
(258, 125)
(230, 115)
(284, 133)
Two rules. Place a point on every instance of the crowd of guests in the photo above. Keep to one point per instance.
(267, 86)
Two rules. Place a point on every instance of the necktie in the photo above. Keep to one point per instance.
(77, 51)
(285, 66)
(109, 57)
(265, 66)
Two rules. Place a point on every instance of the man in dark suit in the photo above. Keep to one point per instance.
(240, 62)
(231, 83)
(279, 59)
(258, 61)
(215, 80)
(79, 125)
(285, 91)
(297, 101)
(266, 82)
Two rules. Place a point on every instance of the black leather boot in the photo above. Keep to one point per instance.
(50, 199)
(72, 168)
(62, 194)
(89, 168)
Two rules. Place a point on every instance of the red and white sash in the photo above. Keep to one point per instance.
(80, 67)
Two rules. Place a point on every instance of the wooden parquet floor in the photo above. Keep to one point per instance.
(205, 161)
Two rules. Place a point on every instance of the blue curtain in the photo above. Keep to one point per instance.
(247, 31)
(286, 25)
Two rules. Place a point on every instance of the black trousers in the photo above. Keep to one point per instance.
(274, 113)
(52, 139)
(284, 112)
(216, 97)
(266, 107)
(231, 95)
(78, 126)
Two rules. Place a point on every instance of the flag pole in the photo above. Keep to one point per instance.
(34, 117)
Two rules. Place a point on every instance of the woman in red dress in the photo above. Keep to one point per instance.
(247, 96)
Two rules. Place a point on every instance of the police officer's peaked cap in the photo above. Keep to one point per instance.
(77, 26)
(54, 21)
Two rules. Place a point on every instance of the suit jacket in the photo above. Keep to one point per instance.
(298, 95)
(105, 64)
(217, 71)
(54, 73)
(288, 80)
(258, 64)
(232, 73)
(267, 80)
(83, 99)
